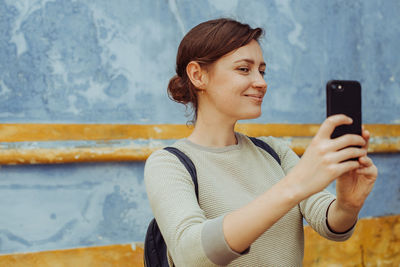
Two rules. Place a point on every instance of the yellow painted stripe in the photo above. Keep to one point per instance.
(59, 132)
(385, 139)
(114, 255)
(375, 242)
(138, 153)
(70, 155)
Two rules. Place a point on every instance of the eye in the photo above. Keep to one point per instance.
(262, 72)
(244, 69)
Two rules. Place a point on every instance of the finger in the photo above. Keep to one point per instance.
(367, 171)
(329, 125)
(366, 135)
(364, 171)
(366, 161)
(347, 166)
(348, 140)
(348, 153)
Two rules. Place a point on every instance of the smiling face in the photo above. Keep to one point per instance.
(235, 85)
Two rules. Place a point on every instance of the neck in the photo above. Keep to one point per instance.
(213, 132)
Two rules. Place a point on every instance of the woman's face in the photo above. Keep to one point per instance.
(235, 86)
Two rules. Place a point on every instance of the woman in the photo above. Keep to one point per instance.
(250, 208)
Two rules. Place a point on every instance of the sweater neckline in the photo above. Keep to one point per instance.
(216, 149)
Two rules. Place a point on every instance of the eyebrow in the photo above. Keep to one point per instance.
(249, 61)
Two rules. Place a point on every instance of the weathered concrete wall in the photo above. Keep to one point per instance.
(48, 207)
(101, 61)
(375, 242)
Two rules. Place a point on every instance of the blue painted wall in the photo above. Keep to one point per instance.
(99, 61)
(48, 207)
(69, 61)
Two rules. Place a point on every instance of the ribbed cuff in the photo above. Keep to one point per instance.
(214, 244)
(338, 235)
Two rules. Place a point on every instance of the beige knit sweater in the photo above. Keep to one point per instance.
(228, 179)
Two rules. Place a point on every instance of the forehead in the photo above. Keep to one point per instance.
(250, 51)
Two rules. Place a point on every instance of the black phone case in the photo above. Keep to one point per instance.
(344, 97)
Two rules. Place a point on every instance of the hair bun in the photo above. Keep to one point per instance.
(178, 90)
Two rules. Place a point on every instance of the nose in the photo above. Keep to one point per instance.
(259, 82)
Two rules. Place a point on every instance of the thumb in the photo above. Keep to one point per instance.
(329, 125)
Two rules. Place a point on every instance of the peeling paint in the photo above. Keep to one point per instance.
(109, 62)
(366, 248)
(120, 255)
(14, 133)
(375, 240)
(157, 129)
(133, 150)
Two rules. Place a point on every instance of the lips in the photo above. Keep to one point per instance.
(256, 97)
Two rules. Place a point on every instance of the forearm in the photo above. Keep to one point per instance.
(341, 219)
(243, 226)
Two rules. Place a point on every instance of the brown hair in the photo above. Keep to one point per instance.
(205, 44)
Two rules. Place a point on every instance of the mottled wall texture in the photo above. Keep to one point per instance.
(101, 61)
(97, 61)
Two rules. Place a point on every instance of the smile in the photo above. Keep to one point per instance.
(257, 98)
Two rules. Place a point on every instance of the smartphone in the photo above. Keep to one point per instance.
(344, 97)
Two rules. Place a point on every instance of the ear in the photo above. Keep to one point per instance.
(197, 75)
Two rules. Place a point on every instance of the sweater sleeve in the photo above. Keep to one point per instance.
(192, 239)
(314, 208)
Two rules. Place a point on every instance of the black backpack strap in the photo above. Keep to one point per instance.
(188, 163)
(155, 249)
(266, 147)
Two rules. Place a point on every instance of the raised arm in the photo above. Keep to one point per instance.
(322, 162)
(352, 189)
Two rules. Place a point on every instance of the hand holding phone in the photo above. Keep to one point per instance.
(343, 159)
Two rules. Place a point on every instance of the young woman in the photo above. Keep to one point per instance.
(251, 208)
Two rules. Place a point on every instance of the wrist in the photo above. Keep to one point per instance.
(292, 190)
(339, 219)
(345, 207)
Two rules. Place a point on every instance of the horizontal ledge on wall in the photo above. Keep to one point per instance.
(129, 255)
(375, 240)
(25, 132)
(41, 153)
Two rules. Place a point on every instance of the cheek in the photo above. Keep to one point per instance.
(231, 85)
(227, 89)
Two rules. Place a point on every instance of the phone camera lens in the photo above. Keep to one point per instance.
(337, 87)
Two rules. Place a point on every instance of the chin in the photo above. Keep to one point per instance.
(255, 116)
(251, 115)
